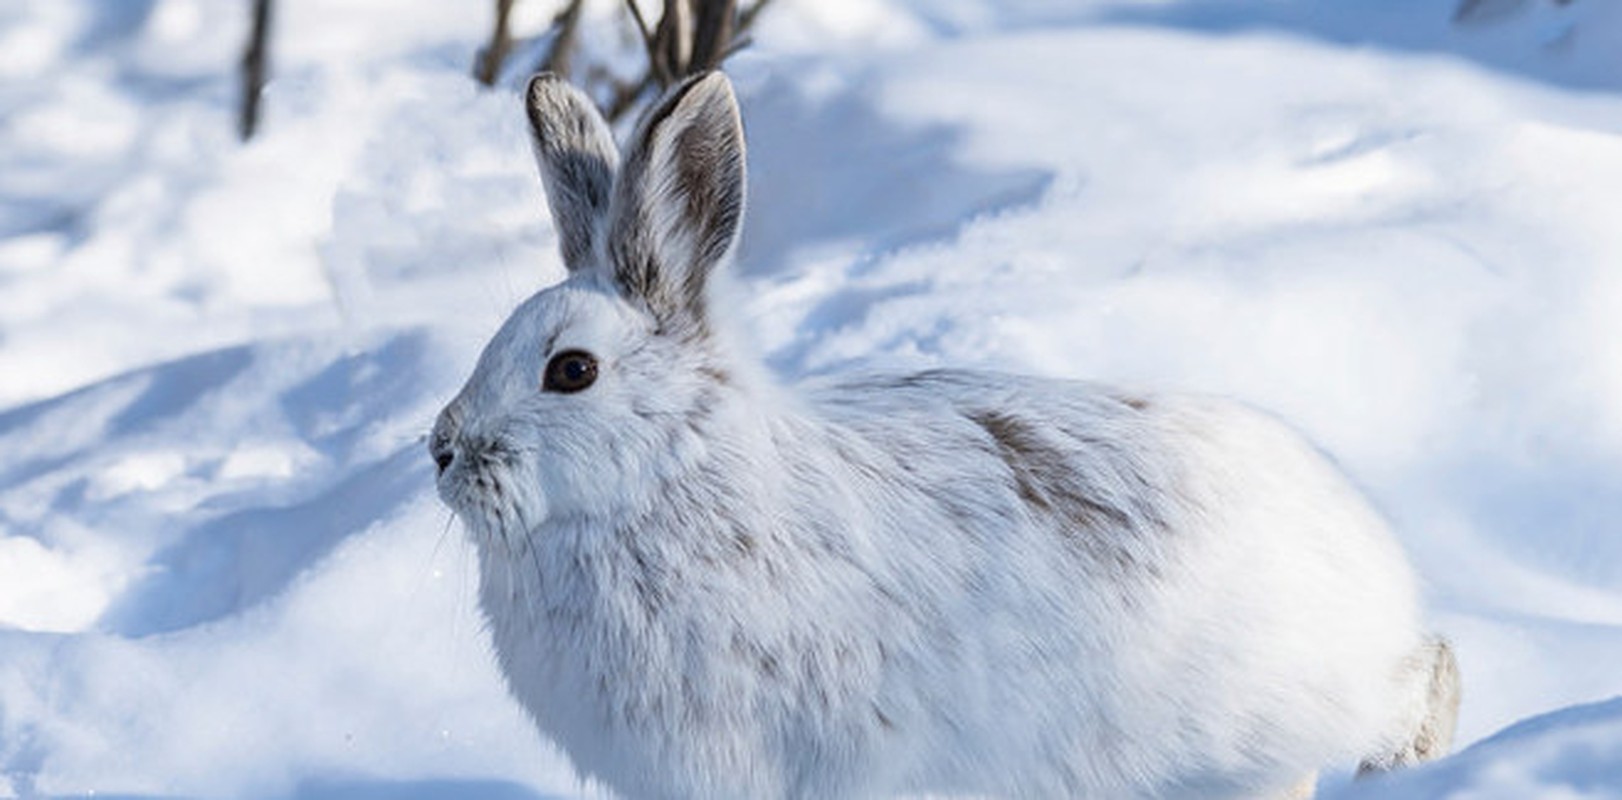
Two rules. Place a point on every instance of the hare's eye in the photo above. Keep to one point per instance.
(569, 371)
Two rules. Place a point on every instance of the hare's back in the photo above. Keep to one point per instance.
(1079, 464)
(1090, 455)
(1148, 482)
(1162, 544)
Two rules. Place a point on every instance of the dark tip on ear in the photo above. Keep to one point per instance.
(539, 80)
(548, 97)
(710, 84)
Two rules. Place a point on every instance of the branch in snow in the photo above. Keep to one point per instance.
(254, 70)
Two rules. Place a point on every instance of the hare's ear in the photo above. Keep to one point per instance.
(578, 159)
(679, 201)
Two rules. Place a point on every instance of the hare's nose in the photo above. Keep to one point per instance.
(443, 454)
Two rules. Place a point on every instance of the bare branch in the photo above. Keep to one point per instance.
(690, 37)
(641, 26)
(487, 67)
(254, 70)
(673, 41)
(562, 52)
(626, 95)
(713, 28)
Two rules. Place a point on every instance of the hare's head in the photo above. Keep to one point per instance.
(592, 392)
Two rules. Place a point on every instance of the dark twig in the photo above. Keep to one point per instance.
(562, 52)
(488, 65)
(641, 25)
(254, 70)
(714, 24)
(673, 42)
(626, 95)
(689, 37)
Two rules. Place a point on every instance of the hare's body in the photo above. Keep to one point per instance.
(703, 586)
(1092, 609)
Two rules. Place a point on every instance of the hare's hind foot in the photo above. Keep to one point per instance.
(1300, 791)
(1437, 668)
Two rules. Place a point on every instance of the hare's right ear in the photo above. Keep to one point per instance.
(578, 161)
(679, 200)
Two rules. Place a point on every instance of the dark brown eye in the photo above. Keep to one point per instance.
(570, 371)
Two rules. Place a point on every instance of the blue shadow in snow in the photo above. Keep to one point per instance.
(834, 169)
(429, 789)
(259, 544)
(247, 557)
(170, 389)
(418, 790)
(1412, 26)
(1533, 39)
(1587, 766)
(333, 408)
(100, 796)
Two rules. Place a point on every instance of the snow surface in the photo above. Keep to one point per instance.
(223, 572)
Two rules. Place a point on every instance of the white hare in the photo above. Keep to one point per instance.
(703, 585)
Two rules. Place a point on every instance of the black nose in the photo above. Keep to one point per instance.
(443, 454)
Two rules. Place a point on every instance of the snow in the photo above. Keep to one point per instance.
(223, 572)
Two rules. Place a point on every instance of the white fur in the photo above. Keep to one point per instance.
(702, 585)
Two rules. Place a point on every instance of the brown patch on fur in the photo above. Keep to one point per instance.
(716, 374)
(1040, 473)
(1135, 403)
(1046, 484)
(884, 719)
(752, 653)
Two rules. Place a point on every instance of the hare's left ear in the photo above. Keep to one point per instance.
(578, 159)
(679, 201)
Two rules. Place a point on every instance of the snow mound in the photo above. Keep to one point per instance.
(1572, 752)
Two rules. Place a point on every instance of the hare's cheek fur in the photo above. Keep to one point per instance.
(489, 484)
(614, 448)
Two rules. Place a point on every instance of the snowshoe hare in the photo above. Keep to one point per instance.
(701, 584)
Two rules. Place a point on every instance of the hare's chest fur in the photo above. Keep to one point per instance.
(745, 669)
